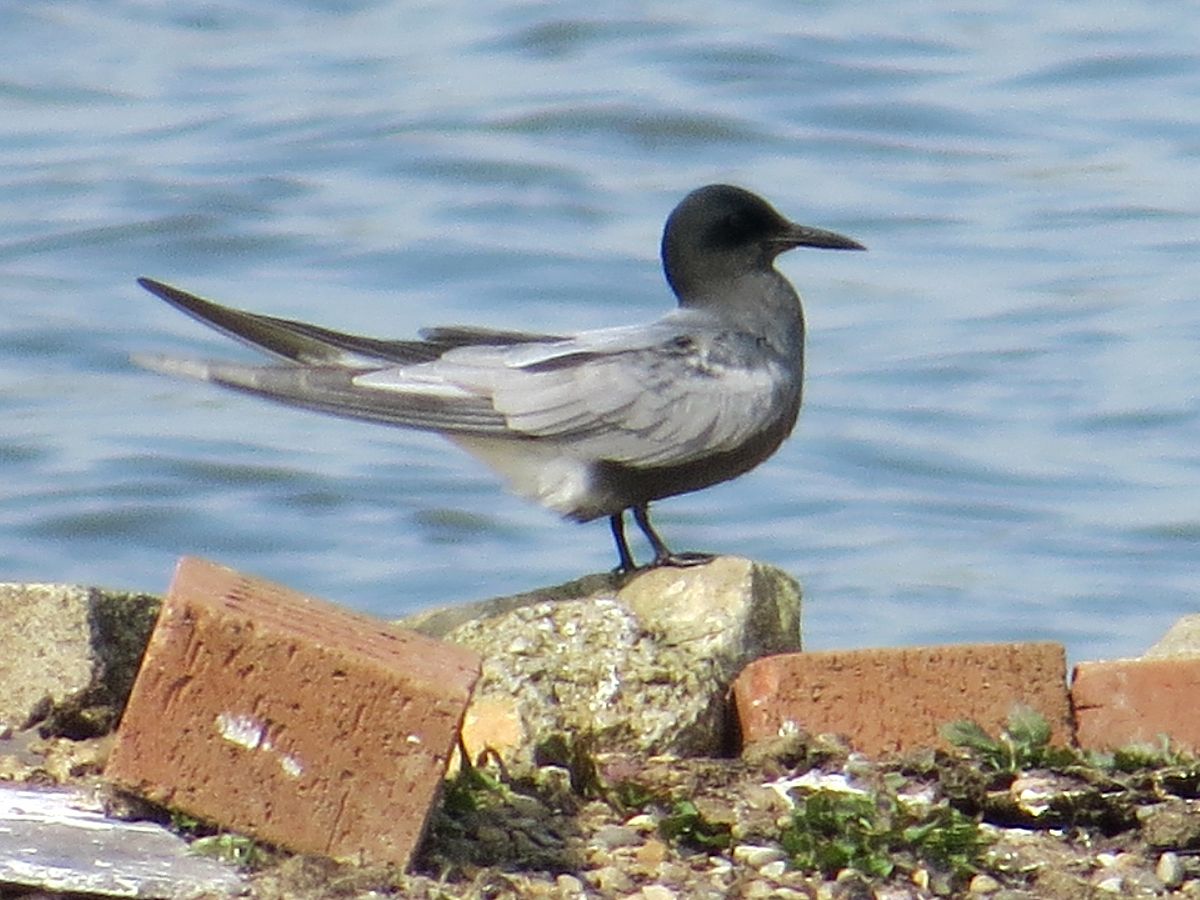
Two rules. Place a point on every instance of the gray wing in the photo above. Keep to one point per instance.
(659, 394)
(651, 396)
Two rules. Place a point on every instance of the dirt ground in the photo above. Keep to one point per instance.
(804, 818)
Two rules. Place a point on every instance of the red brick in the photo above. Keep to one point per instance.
(898, 699)
(290, 719)
(1136, 701)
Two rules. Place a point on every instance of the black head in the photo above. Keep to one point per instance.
(719, 233)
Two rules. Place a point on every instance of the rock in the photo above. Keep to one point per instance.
(1171, 825)
(69, 654)
(1169, 869)
(639, 664)
(1181, 639)
(756, 856)
(984, 884)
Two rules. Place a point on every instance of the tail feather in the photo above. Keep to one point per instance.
(297, 342)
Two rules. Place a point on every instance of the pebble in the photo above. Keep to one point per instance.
(773, 869)
(757, 890)
(1169, 869)
(651, 853)
(656, 892)
(569, 886)
(984, 884)
(642, 822)
(612, 836)
(1112, 885)
(757, 856)
(609, 880)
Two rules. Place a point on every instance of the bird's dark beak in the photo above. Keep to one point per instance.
(804, 236)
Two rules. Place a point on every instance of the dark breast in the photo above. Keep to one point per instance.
(624, 486)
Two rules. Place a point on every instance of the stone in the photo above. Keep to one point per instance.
(1169, 869)
(1172, 824)
(290, 719)
(984, 884)
(1181, 639)
(756, 856)
(69, 654)
(897, 699)
(637, 664)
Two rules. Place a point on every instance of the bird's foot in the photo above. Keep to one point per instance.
(673, 560)
(682, 560)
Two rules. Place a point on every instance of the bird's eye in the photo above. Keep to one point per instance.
(729, 231)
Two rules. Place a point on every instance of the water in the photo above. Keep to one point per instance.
(1001, 437)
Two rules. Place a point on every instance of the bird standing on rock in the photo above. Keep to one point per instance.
(589, 424)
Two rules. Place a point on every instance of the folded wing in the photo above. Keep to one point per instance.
(655, 395)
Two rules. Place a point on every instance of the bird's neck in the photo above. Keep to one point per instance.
(760, 303)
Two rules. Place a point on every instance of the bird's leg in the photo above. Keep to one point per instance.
(626, 563)
(662, 555)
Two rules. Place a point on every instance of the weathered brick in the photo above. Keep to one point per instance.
(290, 719)
(1137, 701)
(897, 699)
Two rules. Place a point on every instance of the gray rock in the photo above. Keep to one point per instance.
(1169, 869)
(640, 664)
(1181, 639)
(69, 654)
(1170, 825)
(60, 840)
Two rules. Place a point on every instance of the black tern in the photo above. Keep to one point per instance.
(590, 424)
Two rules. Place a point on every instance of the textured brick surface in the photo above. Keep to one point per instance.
(1135, 701)
(896, 699)
(290, 719)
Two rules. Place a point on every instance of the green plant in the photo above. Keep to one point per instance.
(835, 830)
(685, 824)
(1022, 744)
(1139, 757)
(468, 790)
(234, 848)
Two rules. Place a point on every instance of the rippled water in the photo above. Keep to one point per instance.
(1002, 432)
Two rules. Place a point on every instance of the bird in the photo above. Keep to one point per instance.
(589, 424)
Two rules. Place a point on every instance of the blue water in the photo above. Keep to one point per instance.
(1001, 437)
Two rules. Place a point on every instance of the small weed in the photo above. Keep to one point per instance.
(182, 823)
(631, 796)
(1023, 744)
(1139, 757)
(469, 790)
(686, 825)
(578, 758)
(834, 830)
(232, 848)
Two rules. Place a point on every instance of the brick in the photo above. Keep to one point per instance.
(1137, 701)
(290, 719)
(897, 699)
